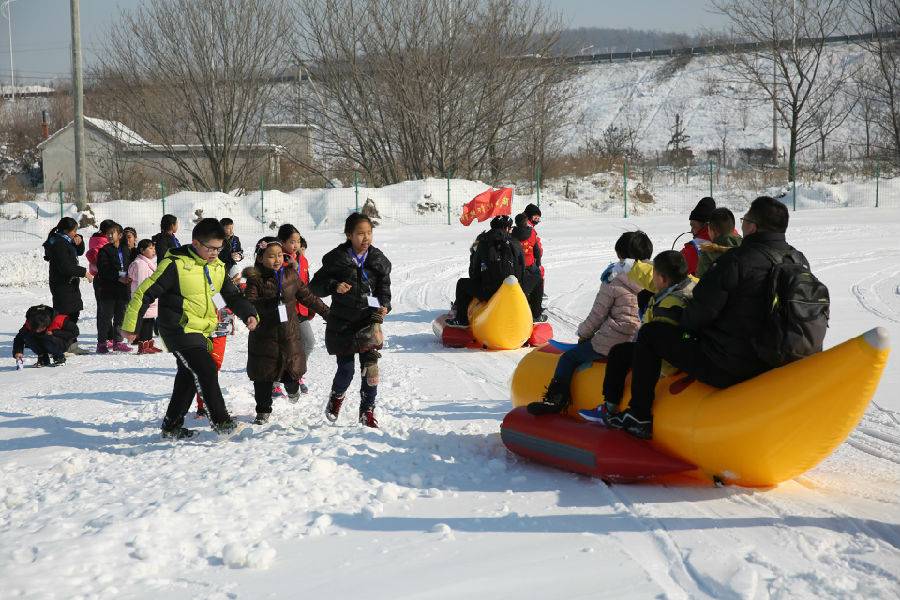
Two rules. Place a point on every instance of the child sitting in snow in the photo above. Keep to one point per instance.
(613, 319)
(274, 352)
(724, 238)
(47, 334)
(670, 277)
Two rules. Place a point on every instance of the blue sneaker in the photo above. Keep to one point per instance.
(600, 414)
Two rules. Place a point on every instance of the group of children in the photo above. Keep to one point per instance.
(634, 291)
(190, 295)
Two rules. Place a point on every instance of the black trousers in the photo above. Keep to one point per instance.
(262, 392)
(43, 344)
(110, 314)
(661, 341)
(536, 298)
(618, 364)
(465, 293)
(146, 330)
(197, 374)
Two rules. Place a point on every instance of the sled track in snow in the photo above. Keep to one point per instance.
(868, 295)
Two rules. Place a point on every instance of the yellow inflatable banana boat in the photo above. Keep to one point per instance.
(502, 323)
(757, 433)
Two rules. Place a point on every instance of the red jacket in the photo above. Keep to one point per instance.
(95, 243)
(303, 272)
(691, 250)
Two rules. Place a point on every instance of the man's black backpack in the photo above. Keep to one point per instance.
(795, 326)
(498, 264)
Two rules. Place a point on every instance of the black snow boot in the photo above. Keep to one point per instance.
(555, 400)
(172, 431)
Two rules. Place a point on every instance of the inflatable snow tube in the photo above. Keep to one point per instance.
(502, 323)
(757, 433)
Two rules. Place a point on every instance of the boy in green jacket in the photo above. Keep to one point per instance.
(724, 238)
(191, 285)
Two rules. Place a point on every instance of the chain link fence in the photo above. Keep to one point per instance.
(622, 191)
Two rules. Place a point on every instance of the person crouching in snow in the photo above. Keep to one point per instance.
(613, 319)
(141, 269)
(357, 276)
(192, 286)
(47, 334)
(274, 352)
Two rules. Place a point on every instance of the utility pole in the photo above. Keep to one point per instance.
(78, 93)
(774, 108)
(12, 69)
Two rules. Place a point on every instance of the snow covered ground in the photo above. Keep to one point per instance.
(94, 505)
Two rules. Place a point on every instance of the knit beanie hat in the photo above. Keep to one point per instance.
(533, 211)
(703, 210)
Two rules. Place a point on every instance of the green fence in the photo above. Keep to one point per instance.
(625, 190)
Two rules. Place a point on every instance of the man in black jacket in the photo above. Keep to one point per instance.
(486, 277)
(714, 340)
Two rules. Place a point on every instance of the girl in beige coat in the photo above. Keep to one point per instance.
(613, 319)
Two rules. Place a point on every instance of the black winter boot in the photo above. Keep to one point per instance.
(555, 400)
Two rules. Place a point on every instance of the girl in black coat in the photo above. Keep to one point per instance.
(112, 289)
(357, 276)
(61, 251)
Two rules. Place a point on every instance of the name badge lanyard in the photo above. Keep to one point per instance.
(217, 298)
(121, 264)
(370, 299)
(282, 307)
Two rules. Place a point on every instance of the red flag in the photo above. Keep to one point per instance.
(487, 204)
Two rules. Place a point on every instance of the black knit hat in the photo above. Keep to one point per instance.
(703, 210)
(533, 211)
(501, 222)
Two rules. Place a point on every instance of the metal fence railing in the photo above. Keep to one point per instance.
(620, 191)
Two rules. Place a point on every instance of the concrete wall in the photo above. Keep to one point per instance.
(59, 160)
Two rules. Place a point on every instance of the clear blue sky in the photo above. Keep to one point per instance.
(41, 27)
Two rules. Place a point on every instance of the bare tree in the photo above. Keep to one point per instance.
(790, 64)
(879, 19)
(194, 78)
(416, 88)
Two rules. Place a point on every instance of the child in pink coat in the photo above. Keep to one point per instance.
(143, 267)
(613, 319)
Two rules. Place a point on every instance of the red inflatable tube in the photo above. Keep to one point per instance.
(586, 448)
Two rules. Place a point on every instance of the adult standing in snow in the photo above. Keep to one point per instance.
(714, 340)
(533, 250)
(699, 221)
(61, 250)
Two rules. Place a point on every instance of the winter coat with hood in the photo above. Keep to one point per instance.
(350, 312)
(185, 285)
(274, 350)
(65, 272)
(614, 316)
(143, 268)
(709, 253)
(731, 302)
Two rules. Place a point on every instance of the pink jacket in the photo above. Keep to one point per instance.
(96, 242)
(139, 270)
(614, 316)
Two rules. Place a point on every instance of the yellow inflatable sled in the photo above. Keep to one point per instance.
(502, 323)
(757, 433)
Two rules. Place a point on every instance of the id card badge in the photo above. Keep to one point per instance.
(282, 313)
(219, 301)
(373, 302)
(123, 273)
